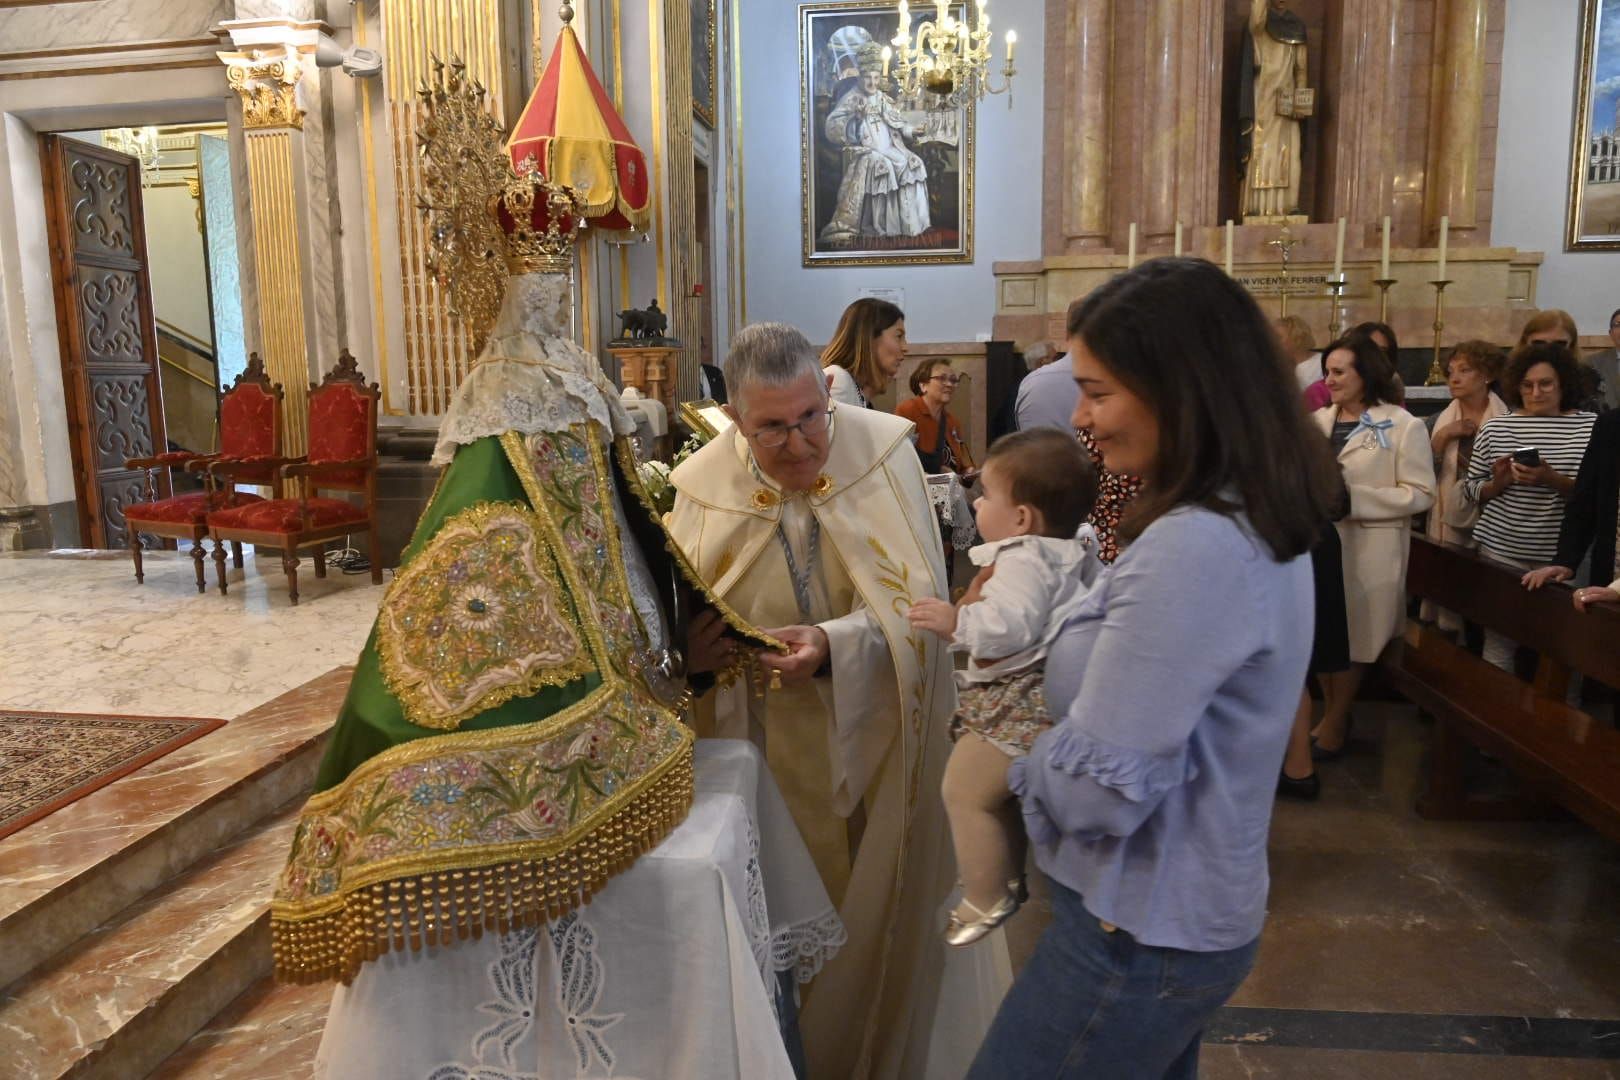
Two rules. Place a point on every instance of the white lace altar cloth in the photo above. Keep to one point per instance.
(950, 502)
(668, 974)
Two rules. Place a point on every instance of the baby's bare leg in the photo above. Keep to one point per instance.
(978, 803)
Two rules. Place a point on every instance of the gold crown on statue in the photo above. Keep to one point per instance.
(541, 221)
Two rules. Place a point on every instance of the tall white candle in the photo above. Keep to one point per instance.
(1178, 239)
(1338, 251)
(1445, 237)
(1130, 250)
(1228, 247)
(1383, 265)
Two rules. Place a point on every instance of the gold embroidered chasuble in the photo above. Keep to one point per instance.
(506, 745)
(870, 737)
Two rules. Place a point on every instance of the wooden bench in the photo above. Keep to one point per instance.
(1560, 751)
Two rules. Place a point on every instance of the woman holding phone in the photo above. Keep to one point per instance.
(1524, 466)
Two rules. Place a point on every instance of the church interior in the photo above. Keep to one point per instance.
(232, 245)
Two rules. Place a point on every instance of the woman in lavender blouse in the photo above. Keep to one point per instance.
(1173, 689)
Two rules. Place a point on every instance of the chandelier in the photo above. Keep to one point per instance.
(947, 58)
(141, 144)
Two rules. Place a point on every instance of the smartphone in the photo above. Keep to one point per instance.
(1527, 455)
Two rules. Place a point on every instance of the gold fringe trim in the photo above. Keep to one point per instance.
(440, 908)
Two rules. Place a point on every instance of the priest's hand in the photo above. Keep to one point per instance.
(707, 646)
(808, 652)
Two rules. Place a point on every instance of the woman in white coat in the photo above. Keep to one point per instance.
(1388, 467)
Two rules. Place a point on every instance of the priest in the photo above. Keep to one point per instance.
(815, 519)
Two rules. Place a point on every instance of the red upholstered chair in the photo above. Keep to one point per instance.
(249, 430)
(342, 457)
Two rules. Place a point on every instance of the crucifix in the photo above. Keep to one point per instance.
(1284, 243)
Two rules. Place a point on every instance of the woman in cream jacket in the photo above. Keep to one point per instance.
(1388, 467)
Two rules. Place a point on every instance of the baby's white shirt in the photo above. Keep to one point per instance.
(1039, 583)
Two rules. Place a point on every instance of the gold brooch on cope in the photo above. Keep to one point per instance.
(764, 498)
(822, 487)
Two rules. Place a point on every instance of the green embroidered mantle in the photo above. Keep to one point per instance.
(499, 755)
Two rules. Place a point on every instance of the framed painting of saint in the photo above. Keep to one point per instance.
(886, 179)
(1594, 181)
(703, 60)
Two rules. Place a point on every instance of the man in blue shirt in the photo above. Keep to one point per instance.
(1048, 394)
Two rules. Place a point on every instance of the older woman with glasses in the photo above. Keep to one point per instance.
(939, 434)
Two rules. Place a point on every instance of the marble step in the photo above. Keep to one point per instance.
(72, 871)
(271, 1030)
(131, 992)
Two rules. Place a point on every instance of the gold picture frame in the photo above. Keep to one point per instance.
(704, 43)
(832, 212)
(707, 417)
(1593, 217)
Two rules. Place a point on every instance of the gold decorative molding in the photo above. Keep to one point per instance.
(267, 79)
(279, 272)
(438, 348)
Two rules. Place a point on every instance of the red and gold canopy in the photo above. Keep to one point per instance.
(571, 132)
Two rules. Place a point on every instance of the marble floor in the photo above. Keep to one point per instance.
(80, 635)
(1395, 947)
(1398, 947)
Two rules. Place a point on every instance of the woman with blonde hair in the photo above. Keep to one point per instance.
(866, 351)
(1471, 370)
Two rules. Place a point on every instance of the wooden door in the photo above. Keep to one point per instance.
(105, 327)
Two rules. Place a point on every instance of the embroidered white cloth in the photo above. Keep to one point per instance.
(668, 974)
(950, 501)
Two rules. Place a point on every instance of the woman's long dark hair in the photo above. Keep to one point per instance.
(1193, 345)
(851, 345)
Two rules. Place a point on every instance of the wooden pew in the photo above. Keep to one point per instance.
(1558, 749)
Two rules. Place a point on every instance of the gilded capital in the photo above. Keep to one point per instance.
(267, 79)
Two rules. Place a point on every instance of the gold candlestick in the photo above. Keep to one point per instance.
(1436, 374)
(1383, 284)
(1336, 284)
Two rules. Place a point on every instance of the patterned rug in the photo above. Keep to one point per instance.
(48, 759)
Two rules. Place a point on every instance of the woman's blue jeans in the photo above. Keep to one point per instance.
(1100, 1004)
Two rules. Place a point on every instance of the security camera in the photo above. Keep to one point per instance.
(357, 62)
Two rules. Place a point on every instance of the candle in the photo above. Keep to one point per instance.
(1178, 239)
(1338, 252)
(1012, 41)
(1383, 265)
(1229, 231)
(1445, 235)
(888, 53)
(1130, 250)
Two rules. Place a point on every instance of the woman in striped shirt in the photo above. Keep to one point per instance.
(1524, 465)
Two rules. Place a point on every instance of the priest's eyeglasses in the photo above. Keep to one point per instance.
(770, 436)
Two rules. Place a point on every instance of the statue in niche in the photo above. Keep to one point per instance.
(1272, 100)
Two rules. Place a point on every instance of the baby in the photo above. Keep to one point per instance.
(1038, 564)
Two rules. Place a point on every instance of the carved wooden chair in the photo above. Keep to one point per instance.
(250, 433)
(342, 457)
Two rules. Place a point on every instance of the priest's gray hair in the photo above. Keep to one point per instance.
(769, 354)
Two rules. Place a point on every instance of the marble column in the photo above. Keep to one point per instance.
(1360, 135)
(1087, 48)
(1457, 104)
(1180, 86)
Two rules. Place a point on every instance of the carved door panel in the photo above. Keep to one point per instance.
(105, 327)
